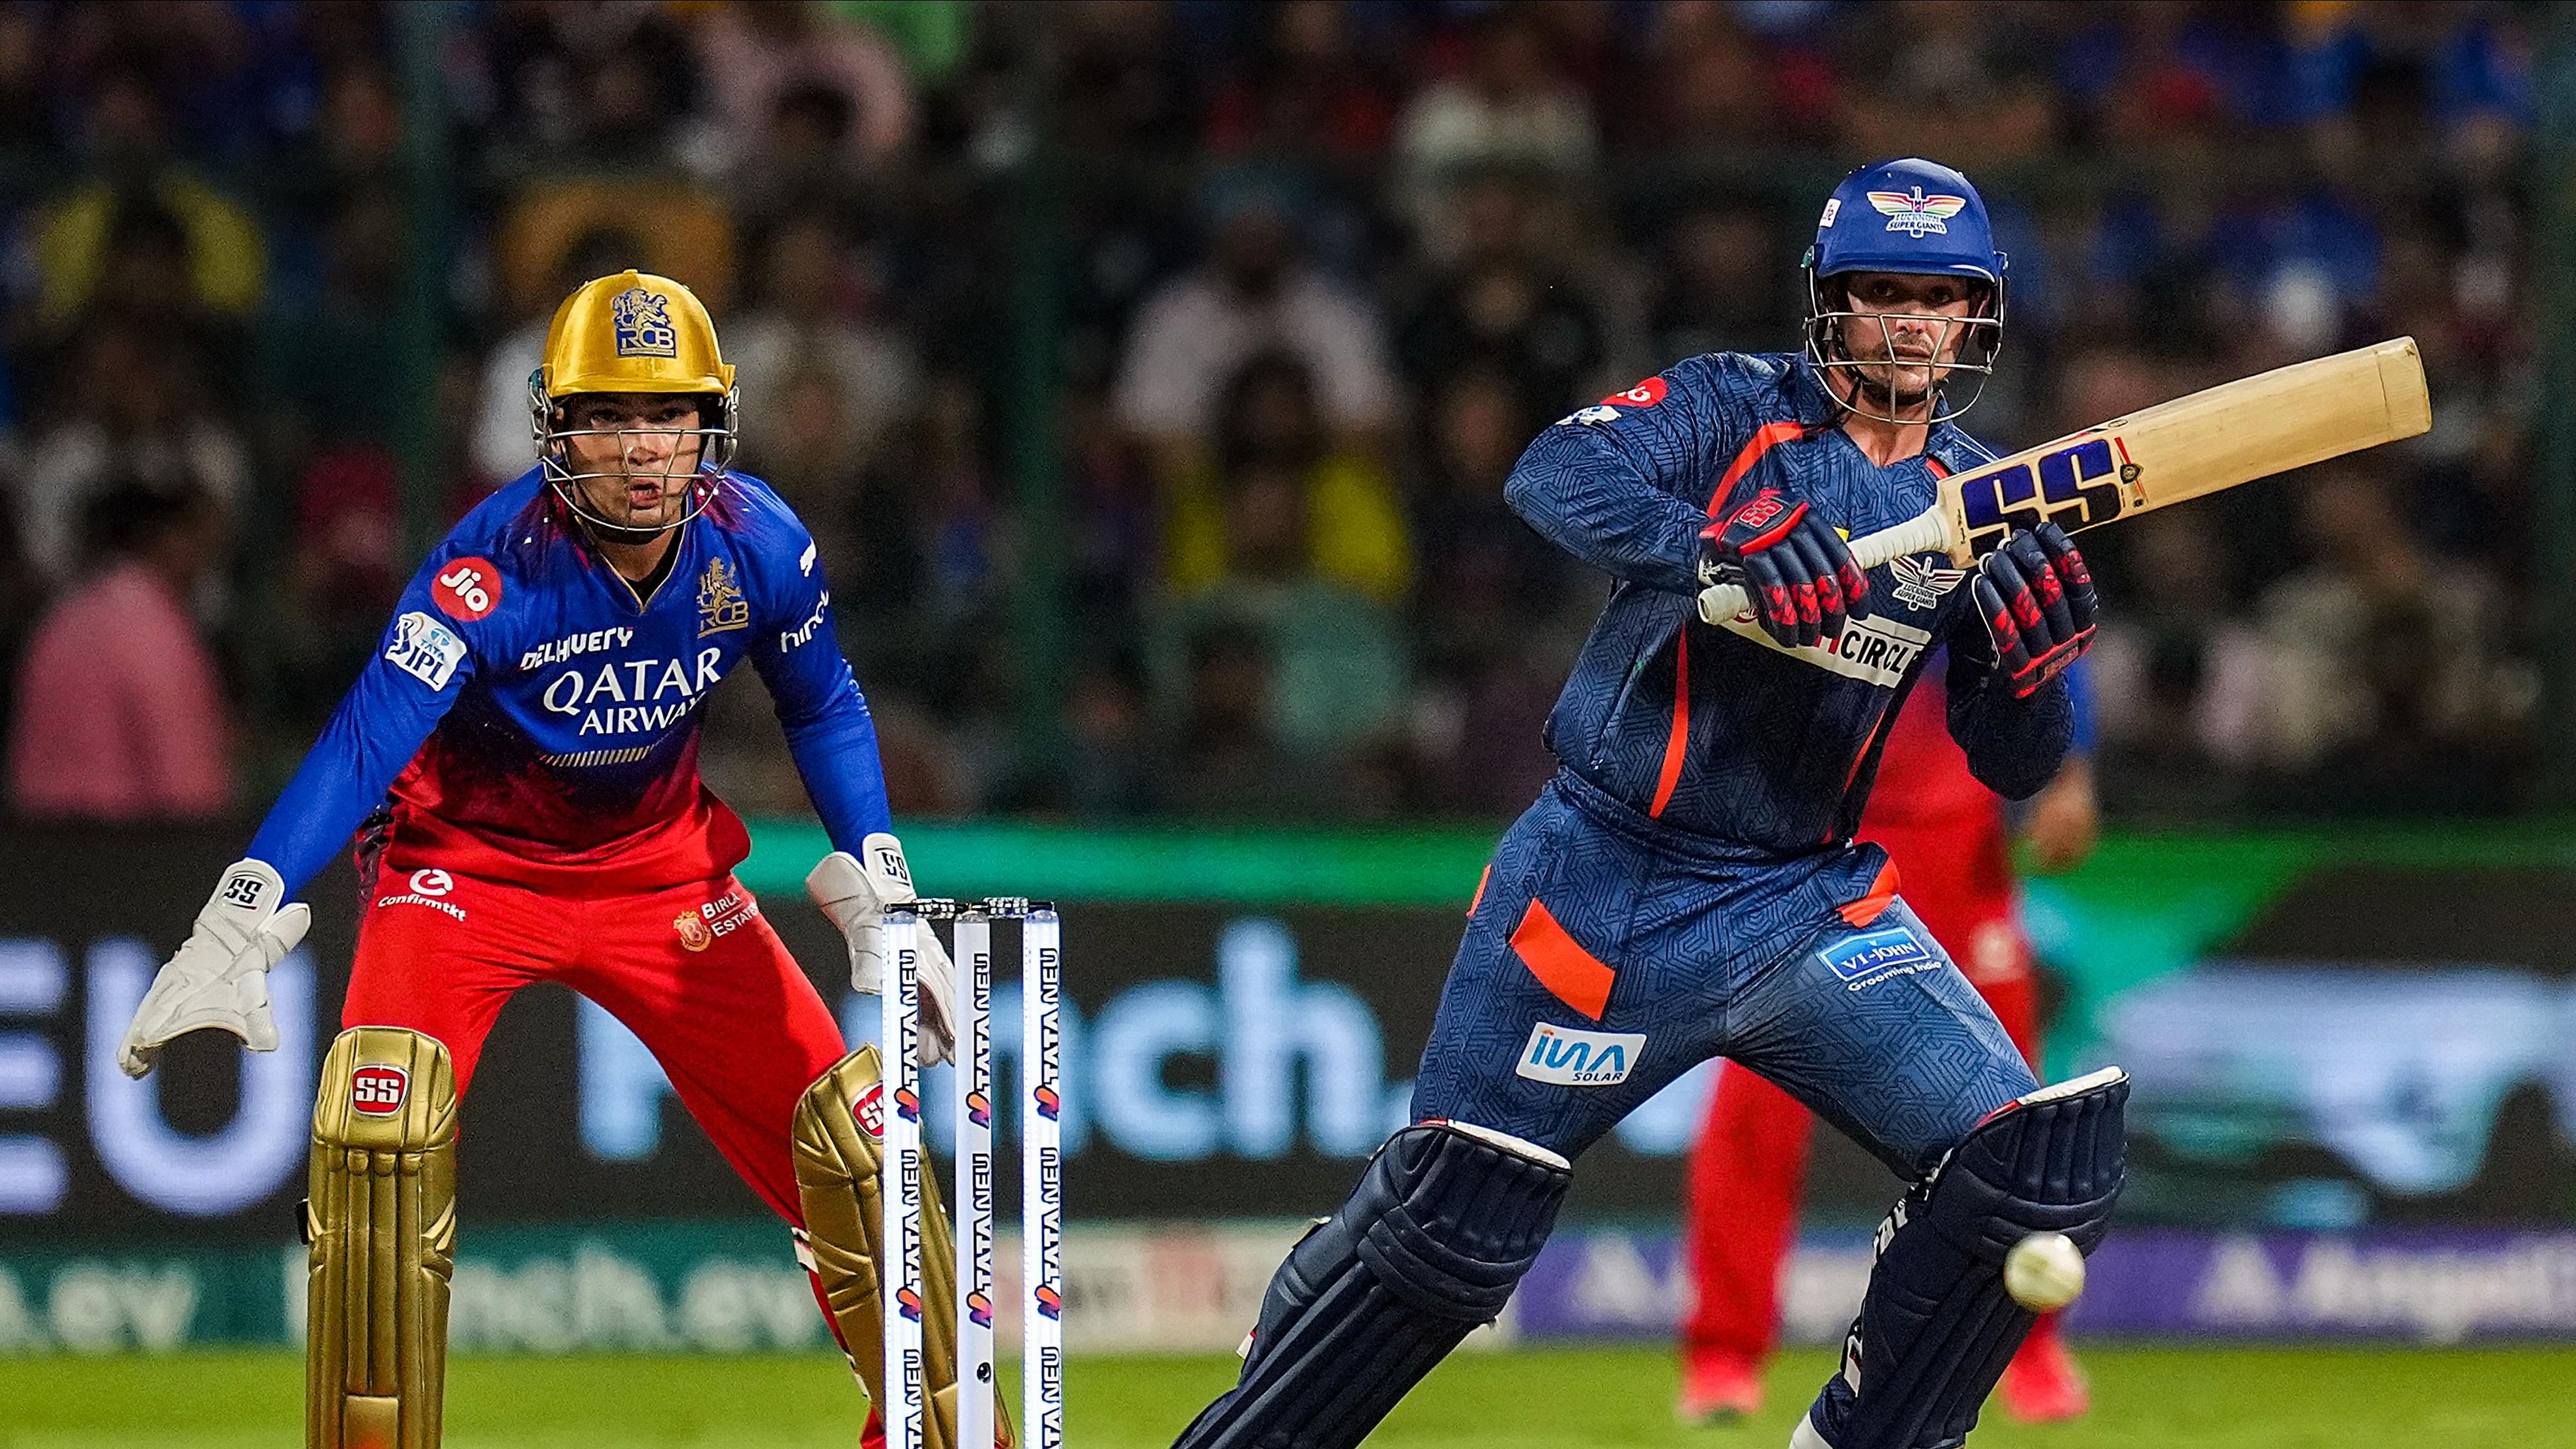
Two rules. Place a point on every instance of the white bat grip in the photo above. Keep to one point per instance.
(1925, 532)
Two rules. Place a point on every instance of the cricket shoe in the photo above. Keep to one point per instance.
(1718, 1388)
(2042, 1384)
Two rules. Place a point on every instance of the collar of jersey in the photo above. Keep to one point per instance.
(619, 587)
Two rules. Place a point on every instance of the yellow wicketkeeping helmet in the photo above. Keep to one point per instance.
(632, 332)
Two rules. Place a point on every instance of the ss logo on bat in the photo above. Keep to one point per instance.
(2077, 486)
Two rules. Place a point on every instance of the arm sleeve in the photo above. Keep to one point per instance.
(419, 671)
(1624, 485)
(2013, 745)
(829, 730)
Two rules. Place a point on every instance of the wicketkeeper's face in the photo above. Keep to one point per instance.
(1901, 330)
(633, 454)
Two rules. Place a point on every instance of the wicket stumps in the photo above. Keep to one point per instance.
(1041, 1173)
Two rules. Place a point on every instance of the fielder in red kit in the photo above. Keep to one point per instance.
(1950, 842)
(519, 765)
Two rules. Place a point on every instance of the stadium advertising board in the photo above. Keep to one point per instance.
(1238, 1054)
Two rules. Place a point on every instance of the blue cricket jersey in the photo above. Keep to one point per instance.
(529, 717)
(1716, 729)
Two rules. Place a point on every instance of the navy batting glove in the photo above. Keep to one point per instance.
(2036, 598)
(1796, 571)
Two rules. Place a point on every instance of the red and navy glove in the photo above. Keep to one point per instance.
(1800, 578)
(2036, 598)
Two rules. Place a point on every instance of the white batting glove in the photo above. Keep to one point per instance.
(219, 978)
(855, 894)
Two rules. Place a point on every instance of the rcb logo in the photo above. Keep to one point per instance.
(643, 324)
(721, 605)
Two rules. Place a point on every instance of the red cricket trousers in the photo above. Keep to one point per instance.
(693, 971)
(1749, 1166)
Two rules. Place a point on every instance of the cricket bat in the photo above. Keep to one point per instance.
(2234, 433)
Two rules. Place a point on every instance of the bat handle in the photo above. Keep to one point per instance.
(1925, 532)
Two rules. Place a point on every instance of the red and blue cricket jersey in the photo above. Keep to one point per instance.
(529, 718)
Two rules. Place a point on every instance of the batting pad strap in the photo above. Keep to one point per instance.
(1936, 1327)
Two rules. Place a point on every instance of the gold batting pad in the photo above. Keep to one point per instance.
(382, 1222)
(840, 1129)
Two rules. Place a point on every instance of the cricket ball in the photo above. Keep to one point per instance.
(2044, 1272)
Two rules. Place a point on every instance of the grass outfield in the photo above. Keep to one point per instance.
(1531, 1399)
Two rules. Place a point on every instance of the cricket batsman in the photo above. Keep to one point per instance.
(522, 757)
(1950, 839)
(1688, 886)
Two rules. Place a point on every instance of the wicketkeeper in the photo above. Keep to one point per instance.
(522, 757)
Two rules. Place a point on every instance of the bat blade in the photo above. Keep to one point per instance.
(2193, 446)
(2175, 451)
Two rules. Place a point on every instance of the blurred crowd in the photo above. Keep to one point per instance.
(1149, 372)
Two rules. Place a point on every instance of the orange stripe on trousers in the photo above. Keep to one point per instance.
(1870, 907)
(1560, 963)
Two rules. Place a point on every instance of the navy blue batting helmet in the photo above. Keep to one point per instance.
(1911, 216)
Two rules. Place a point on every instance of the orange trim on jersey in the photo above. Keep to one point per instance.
(1575, 976)
(1935, 465)
(1676, 744)
(1868, 908)
(1478, 898)
(1764, 439)
(1866, 745)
